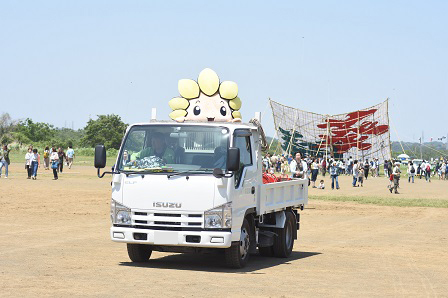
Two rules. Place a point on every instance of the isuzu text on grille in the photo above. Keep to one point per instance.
(167, 205)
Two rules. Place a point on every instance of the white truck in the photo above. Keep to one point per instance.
(195, 187)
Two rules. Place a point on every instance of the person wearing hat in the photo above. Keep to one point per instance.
(396, 173)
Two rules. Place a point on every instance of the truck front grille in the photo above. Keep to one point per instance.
(172, 219)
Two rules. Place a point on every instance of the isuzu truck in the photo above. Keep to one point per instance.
(196, 187)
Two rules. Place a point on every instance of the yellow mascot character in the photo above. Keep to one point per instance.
(206, 100)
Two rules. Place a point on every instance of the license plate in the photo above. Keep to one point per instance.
(165, 237)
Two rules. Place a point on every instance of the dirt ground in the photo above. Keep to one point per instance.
(54, 241)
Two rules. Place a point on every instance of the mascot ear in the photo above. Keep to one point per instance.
(228, 90)
(236, 115)
(179, 103)
(235, 104)
(177, 114)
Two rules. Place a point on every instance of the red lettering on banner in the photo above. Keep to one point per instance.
(345, 136)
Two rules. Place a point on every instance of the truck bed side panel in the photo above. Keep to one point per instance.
(279, 195)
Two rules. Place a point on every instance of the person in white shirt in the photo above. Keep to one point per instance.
(28, 162)
(350, 166)
(314, 171)
(298, 167)
(340, 166)
(355, 173)
(396, 172)
(35, 163)
(443, 170)
(321, 185)
(54, 160)
(423, 169)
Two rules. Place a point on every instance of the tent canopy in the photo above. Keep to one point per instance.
(403, 156)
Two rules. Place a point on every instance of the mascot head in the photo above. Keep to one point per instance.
(206, 100)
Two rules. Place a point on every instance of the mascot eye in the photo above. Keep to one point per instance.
(197, 110)
(223, 111)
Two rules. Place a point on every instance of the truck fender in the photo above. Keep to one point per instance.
(280, 219)
(249, 211)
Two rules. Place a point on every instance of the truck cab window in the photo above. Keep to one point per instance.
(173, 148)
(245, 157)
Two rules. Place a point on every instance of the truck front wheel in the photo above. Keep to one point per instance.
(284, 242)
(139, 252)
(237, 254)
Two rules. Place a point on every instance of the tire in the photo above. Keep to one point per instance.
(237, 254)
(284, 242)
(139, 252)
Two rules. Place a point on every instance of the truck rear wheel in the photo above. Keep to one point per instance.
(284, 242)
(139, 252)
(237, 254)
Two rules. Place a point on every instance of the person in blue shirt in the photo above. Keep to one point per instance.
(70, 156)
(334, 173)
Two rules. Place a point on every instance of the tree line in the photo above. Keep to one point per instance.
(106, 129)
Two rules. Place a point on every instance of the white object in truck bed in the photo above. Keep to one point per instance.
(277, 196)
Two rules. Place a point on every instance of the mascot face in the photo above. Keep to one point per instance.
(206, 100)
(212, 108)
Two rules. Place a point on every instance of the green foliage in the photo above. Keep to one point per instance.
(67, 137)
(111, 152)
(28, 130)
(107, 129)
(135, 141)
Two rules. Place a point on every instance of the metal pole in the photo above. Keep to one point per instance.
(326, 139)
(421, 155)
(357, 140)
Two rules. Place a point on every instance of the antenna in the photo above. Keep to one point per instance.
(153, 114)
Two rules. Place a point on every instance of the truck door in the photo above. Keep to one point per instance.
(244, 179)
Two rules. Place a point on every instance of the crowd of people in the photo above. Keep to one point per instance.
(299, 166)
(52, 158)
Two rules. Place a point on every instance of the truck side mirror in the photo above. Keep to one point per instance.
(233, 159)
(100, 156)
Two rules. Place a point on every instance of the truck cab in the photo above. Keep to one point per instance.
(193, 187)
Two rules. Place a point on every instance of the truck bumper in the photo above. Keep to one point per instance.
(207, 239)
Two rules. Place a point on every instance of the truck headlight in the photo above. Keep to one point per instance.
(219, 217)
(120, 214)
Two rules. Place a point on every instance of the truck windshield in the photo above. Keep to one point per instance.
(174, 148)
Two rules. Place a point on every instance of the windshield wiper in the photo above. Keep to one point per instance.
(182, 173)
(127, 173)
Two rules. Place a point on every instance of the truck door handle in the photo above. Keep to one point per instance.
(252, 190)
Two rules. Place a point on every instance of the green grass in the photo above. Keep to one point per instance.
(393, 201)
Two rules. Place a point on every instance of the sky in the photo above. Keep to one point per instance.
(62, 62)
